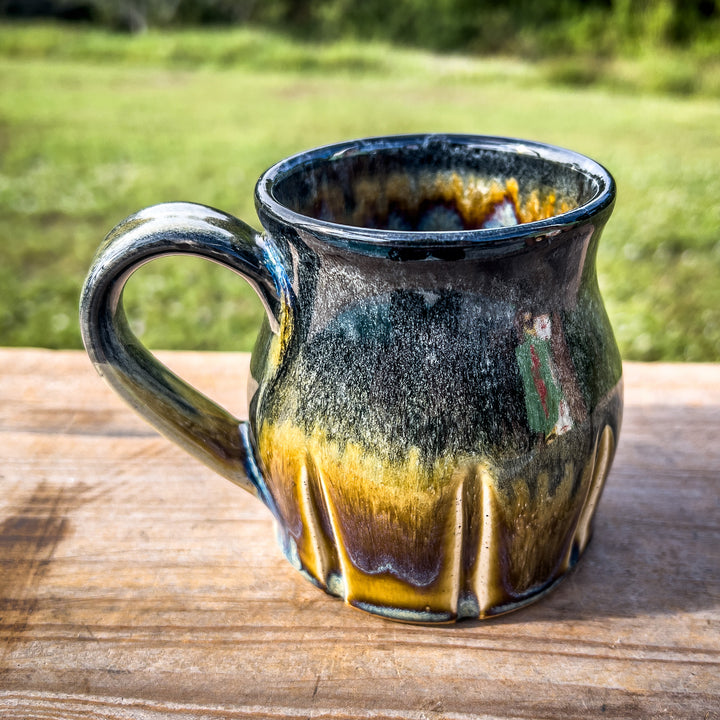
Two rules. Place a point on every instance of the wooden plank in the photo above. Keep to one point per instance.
(136, 584)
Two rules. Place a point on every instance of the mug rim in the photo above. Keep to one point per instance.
(602, 200)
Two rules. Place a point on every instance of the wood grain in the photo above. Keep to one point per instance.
(136, 584)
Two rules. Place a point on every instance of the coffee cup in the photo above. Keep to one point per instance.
(435, 392)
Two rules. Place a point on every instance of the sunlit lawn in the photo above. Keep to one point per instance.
(83, 143)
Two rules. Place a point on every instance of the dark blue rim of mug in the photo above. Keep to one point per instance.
(336, 233)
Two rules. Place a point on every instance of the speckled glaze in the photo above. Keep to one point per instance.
(436, 392)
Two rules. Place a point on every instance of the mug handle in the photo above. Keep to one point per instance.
(171, 405)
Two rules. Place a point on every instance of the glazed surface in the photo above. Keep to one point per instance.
(434, 407)
(435, 434)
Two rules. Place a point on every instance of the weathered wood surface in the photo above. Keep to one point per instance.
(136, 584)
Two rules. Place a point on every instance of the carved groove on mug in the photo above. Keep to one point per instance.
(485, 583)
(603, 458)
(339, 572)
(317, 559)
(573, 553)
(457, 545)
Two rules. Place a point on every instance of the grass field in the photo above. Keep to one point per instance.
(94, 127)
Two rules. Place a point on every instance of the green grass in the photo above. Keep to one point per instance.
(95, 126)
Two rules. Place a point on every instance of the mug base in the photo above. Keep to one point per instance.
(467, 610)
(467, 607)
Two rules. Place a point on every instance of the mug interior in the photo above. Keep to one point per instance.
(436, 184)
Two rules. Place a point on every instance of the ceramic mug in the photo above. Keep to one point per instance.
(435, 391)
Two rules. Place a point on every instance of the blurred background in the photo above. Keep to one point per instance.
(107, 107)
